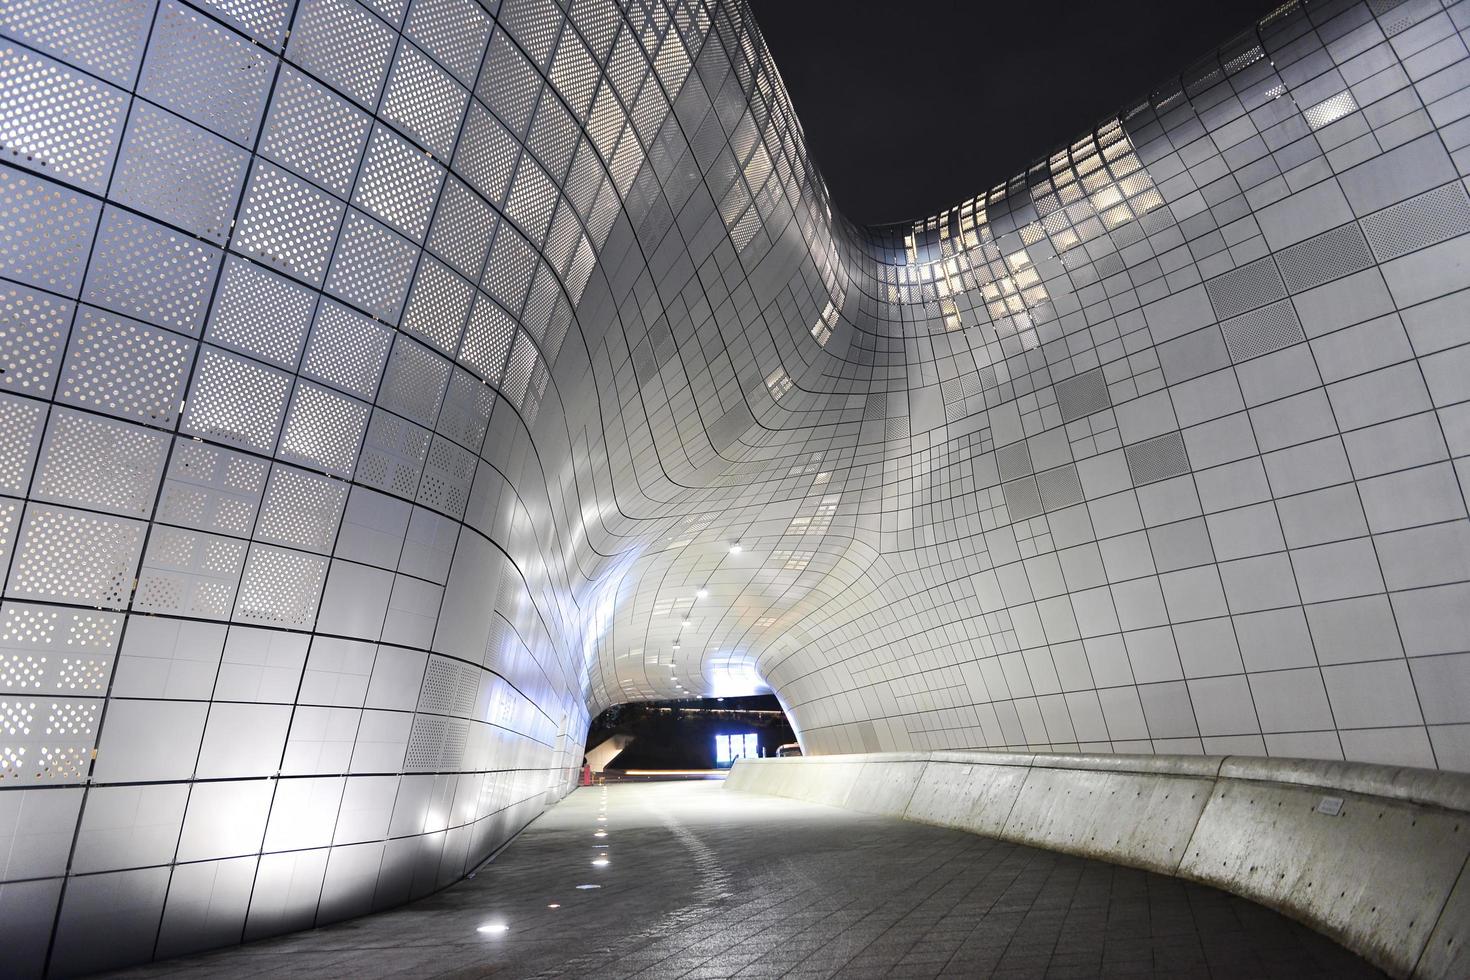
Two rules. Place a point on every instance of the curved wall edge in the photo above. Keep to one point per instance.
(1373, 856)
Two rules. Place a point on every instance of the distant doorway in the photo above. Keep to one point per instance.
(692, 734)
(728, 748)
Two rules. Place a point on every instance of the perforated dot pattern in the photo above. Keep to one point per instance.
(287, 224)
(301, 509)
(206, 72)
(147, 271)
(280, 587)
(57, 121)
(125, 368)
(237, 401)
(347, 350)
(104, 37)
(101, 464)
(33, 331)
(371, 268)
(177, 172)
(324, 429)
(235, 322)
(75, 556)
(45, 232)
(21, 422)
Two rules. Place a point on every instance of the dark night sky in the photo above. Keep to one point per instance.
(912, 107)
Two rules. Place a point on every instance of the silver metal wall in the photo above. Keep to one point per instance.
(386, 386)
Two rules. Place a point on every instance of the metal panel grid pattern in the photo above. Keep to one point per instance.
(390, 386)
(234, 491)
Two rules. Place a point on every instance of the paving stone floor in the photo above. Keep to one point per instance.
(700, 882)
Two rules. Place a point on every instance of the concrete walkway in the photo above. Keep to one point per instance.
(699, 882)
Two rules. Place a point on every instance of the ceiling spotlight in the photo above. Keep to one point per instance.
(554, 905)
(702, 594)
(583, 888)
(599, 863)
(493, 928)
(735, 548)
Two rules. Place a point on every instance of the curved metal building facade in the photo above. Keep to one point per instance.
(388, 386)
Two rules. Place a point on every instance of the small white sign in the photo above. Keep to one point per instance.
(1330, 805)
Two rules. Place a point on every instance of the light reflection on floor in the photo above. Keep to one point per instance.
(709, 883)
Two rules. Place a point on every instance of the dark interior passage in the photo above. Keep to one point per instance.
(682, 734)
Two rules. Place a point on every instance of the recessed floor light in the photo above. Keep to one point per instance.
(600, 863)
(493, 928)
(554, 905)
(583, 888)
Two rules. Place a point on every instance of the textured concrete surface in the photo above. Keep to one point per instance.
(706, 883)
(1371, 856)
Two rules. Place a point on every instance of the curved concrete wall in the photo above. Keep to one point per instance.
(386, 382)
(1373, 856)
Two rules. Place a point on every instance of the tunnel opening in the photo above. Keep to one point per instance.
(692, 735)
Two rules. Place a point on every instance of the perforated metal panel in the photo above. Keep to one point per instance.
(104, 37)
(236, 401)
(189, 573)
(287, 224)
(280, 588)
(21, 425)
(235, 321)
(1262, 331)
(415, 382)
(47, 232)
(212, 489)
(206, 73)
(125, 368)
(393, 455)
(347, 350)
(1023, 499)
(144, 270)
(1060, 487)
(1423, 220)
(1157, 459)
(57, 121)
(371, 267)
(1246, 288)
(52, 650)
(74, 556)
(177, 172)
(301, 509)
(1082, 395)
(99, 463)
(33, 330)
(1328, 256)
